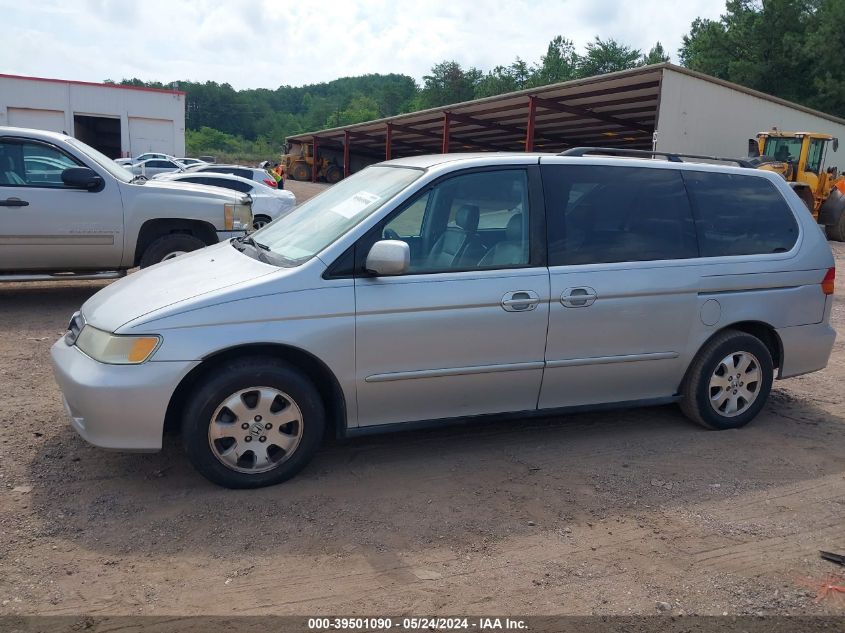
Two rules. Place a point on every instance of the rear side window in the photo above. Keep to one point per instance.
(739, 215)
(603, 214)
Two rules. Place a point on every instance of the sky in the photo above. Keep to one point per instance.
(268, 43)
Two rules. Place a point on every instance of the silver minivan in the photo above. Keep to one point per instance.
(431, 288)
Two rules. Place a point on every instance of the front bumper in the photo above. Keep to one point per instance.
(120, 407)
(222, 236)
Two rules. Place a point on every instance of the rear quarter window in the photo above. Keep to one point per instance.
(739, 215)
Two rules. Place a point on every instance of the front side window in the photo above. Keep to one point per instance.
(321, 220)
(605, 214)
(739, 215)
(468, 222)
(32, 165)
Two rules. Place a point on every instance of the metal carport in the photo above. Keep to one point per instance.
(621, 109)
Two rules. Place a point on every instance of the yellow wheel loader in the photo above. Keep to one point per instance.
(800, 158)
(299, 165)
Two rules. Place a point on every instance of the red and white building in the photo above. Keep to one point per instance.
(120, 121)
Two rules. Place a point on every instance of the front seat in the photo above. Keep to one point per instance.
(459, 246)
(8, 175)
(512, 251)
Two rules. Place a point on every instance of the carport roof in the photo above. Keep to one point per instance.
(613, 110)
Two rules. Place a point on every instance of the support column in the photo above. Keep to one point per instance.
(346, 153)
(447, 120)
(529, 132)
(314, 164)
(388, 141)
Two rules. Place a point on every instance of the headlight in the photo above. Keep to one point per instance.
(116, 350)
(237, 216)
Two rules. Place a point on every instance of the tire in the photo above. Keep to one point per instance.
(333, 174)
(836, 231)
(301, 171)
(259, 221)
(702, 383)
(278, 392)
(170, 246)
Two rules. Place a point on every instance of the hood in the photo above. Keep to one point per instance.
(189, 189)
(174, 281)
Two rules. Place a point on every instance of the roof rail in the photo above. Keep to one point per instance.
(670, 156)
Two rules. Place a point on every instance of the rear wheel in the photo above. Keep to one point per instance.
(170, 246)
(301, 171)
(729, 381)
(254, 423)
(333, 174)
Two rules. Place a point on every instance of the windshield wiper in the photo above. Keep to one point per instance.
(247, 239)
(262, 251)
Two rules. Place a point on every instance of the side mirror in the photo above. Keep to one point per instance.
(753, 148)
(388, 257)
(82, 178)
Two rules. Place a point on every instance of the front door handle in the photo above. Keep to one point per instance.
(580, 297)
(13, 202)
(520, 301)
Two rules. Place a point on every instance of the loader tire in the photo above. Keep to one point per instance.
(301, 171)
(836, 231)
(333, 174)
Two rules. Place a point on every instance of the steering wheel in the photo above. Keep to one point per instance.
(390, 234)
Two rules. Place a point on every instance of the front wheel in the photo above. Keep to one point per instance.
(728, 382)
(259, 221)
(836, 231)
(254, 423)
(301, 171)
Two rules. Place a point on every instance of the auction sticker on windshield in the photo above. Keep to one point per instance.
(353, 206)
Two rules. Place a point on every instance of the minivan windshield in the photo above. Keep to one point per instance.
(121, 173)
(318, 222)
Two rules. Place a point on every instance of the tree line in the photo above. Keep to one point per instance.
(788, 48)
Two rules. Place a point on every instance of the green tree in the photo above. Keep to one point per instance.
(558, 64)
(448, 83)
(607, 56)
(655, 56)
(763, 45)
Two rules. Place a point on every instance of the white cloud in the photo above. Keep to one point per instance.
(267, 43)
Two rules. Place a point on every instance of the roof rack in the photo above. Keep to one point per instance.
(673, 157)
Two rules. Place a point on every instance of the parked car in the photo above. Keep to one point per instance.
(251, 173)
(155, 166)
(267, 203)
(142, 157)
(189, 162)
(431, 288)
(71, 212)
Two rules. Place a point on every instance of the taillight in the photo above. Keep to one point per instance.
(270, 182)
(828, 281)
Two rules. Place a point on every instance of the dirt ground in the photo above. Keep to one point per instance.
(627, 512)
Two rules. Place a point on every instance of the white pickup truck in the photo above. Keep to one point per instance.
(68, 211)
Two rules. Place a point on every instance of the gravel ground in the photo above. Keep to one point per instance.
(624, 512)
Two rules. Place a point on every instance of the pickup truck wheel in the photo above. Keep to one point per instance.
(728, 382)
(259, 221)
(253, 422)
(170, 246)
